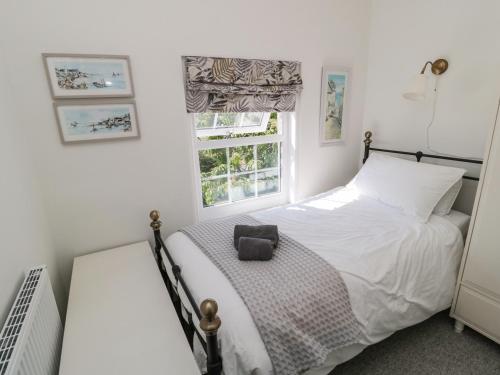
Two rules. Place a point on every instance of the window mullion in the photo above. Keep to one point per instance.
(255, 191)
(229, 188)
(280, 166)
(214, 123)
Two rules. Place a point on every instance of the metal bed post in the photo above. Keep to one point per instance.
(206, 313)
(156, 225)
(210, 324)
(367, 141)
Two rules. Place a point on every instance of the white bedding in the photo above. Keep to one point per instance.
(398, 271)
(460, 219)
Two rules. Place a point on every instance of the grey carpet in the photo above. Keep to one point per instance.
(431, 347)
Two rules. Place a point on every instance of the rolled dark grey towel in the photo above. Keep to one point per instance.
(250, 248)
(267, 232)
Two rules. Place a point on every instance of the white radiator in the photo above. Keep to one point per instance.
(30, 341)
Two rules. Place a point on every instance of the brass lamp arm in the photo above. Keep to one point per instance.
(425, 67)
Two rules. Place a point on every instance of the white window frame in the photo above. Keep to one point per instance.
(249, 204)
(236, 129)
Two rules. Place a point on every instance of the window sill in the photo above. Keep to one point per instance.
(243, 206)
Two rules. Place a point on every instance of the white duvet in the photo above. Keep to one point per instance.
(398, 271)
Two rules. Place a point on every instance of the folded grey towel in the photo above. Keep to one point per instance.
(268, 232)
(250, 248)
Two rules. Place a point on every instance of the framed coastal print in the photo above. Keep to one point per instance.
(334, 89)
(85, 121)
(88, 76)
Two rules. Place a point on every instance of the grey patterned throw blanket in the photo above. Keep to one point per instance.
(297, 300)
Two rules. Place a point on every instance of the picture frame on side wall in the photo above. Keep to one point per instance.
(77, 76)
(334, 105)
(91, 121)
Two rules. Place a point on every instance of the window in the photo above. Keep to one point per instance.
(240, 158)
(220, 124)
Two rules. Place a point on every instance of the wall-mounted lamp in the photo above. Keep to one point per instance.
(418, 87)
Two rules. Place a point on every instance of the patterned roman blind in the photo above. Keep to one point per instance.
(216, 84)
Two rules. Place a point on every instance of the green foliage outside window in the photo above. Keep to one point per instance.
(214, 162)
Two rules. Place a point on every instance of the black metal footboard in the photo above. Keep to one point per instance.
(206, 313)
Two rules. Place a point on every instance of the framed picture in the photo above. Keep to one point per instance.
(85, 121)
(88, 76)
(333, 110)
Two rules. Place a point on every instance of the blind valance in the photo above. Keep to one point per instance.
(217, 84)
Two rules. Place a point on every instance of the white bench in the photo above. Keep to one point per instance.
(120, 319)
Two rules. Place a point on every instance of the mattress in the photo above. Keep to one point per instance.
(398, 271)
(460, 220)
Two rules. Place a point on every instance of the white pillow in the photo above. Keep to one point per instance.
(444, 205)
(415, 188)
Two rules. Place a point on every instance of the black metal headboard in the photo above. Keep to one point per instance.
(419, 154)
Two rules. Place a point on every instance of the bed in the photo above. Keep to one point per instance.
(398, 272)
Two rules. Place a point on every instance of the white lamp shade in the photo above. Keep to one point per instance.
(417, 89)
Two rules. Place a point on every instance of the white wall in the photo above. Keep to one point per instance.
(405, 34)
(23, 226)
(98, 195)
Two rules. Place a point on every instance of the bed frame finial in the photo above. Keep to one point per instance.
(368, 137)
(156, 225)
(155, 217)
(367, 141)
(210, 324)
